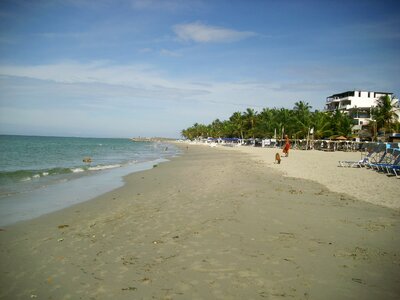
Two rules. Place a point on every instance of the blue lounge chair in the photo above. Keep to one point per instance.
(358, 163)
(394, 170)
(382, 158)
(391, 158)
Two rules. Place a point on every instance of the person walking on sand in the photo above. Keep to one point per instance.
(287, 146)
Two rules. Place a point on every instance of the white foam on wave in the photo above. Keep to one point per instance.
(36, 176)
(26, 179)
(99, 168)
(77, 170)
(45, 173)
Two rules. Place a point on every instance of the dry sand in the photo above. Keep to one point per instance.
(211, 224)
(322, 167)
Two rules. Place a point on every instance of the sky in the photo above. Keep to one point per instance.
(128, 68)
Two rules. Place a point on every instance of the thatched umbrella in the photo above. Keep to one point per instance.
(341, 138)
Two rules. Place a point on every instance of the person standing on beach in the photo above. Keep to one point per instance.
(287, 146)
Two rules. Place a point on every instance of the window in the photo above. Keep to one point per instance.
(369, 94)
(359, 94)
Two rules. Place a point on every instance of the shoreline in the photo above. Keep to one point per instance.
(33, 204)
(218, 225)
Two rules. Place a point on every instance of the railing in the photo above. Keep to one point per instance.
(329, 100)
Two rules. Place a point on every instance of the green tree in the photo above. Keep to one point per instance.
(385, 113)
(341, 123)
(265, 124)
(321, 122)
(284, 121)
(302, 118)
(216, 128)
(237, 121)
(250, 117)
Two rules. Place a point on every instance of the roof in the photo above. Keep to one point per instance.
(351, 93)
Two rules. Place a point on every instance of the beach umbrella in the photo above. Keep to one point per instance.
(340, 138)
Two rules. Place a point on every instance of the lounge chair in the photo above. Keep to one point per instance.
(394, 170)
(354, 164)
(380, 158)
(358, 163)
(394, 167)
(390, 158)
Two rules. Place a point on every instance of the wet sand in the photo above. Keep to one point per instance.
(211, 224)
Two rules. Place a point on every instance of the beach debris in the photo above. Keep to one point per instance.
(129, 288)
(288, 233)
(176, 237)
(33, 296)
(155, 166)
(358, 280)
(1, 229)
(293, 191)
(87, 160)
(129, 260)
(157, 242)
(60, 240)
(63, 226)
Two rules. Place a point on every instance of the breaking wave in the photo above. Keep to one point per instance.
(29, 175)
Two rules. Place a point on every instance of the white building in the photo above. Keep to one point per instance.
(357, 104)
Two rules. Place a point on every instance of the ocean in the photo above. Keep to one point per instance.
(39, 175)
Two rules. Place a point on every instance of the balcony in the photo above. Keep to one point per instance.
(345, 107)
(330, 100)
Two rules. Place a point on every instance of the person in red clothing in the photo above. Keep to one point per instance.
(287, 146)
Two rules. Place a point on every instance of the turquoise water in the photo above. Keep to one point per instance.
(30, 162)
(42, 174)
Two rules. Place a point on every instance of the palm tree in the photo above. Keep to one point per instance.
(302, 107)
(238, 124)
(216, 128)
(385, 113)
(284, 121)
(265, 124)
(321, 122)
(341, 123)
(250, 117)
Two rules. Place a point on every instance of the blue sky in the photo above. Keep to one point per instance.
(124, 68)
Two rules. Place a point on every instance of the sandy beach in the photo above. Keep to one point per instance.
(322, 167)
(217, 223)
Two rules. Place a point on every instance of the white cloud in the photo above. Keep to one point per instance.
(166, 52)
(125, 84)
(145, 50)
(201, 33)
(131, 97)
(109, 86)
(168, 5)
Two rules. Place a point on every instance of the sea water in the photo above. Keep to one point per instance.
(39, 175)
